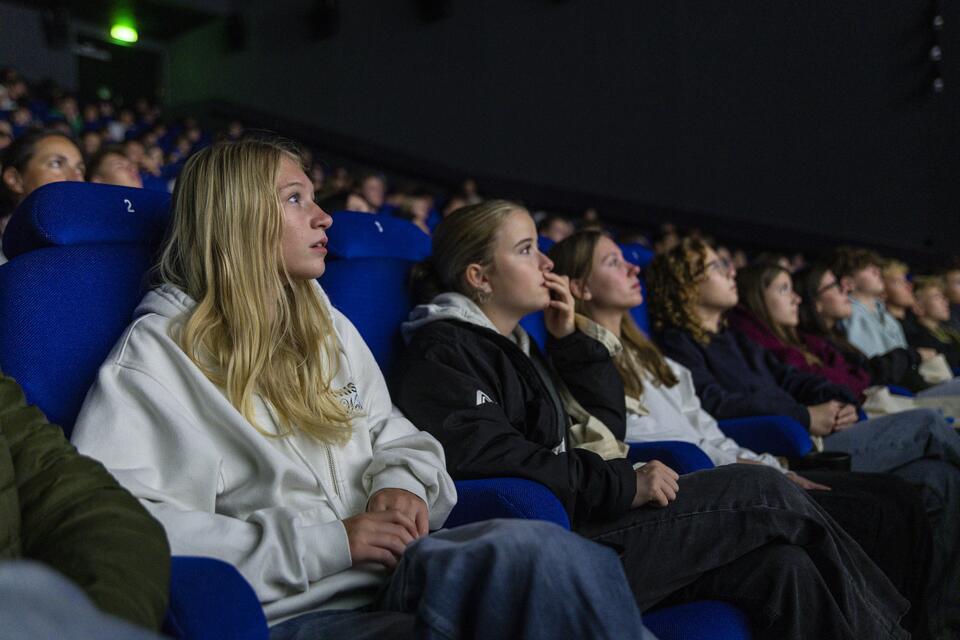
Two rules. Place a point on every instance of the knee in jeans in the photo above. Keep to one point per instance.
(787, 563)
(540, 541)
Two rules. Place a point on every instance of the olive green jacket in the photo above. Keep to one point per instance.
(63, 509)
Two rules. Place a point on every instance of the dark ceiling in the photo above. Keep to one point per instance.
(155, 19)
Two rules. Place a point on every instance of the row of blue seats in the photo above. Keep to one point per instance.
(79, 254)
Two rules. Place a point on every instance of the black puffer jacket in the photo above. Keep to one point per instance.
(479, 394)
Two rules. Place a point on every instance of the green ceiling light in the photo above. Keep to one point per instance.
(124, 32)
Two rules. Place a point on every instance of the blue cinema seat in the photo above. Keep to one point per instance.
(641, 256)
(377, 314)
(78, 256)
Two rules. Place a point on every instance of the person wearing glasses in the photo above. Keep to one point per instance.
(824, 304)
(691, 292)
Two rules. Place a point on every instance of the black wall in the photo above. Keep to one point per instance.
(814, 117)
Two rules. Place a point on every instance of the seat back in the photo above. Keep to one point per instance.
(79, 256)
(641, 256)
(365, 235)
(373, 294)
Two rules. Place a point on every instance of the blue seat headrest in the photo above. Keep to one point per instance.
(75, 213)
(365, 235)
(637, 254)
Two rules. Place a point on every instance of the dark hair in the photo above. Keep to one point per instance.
(846, 261)
(807, 284)
(93, 164)
(752, 283)
(337, 201)
(18, 155)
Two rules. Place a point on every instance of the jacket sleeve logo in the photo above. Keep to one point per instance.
(483, 398)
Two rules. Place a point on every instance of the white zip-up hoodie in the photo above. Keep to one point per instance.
(271, 506)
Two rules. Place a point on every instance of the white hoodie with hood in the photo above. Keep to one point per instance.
(273, 507)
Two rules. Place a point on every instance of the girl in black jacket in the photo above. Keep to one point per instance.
(473, 379)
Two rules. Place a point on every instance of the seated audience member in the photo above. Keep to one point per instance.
(63, 511)
(345, 201)
(824, 303)
(927, 325)
(472, 377)
(951, 287)
(897, 289)
(881, 512)
(772, 257)
(6, 134)
(870, 327)
(33, 160)
(111, 166)
(135, 151)
(91, 140)
(555, 228)
(690, 292)
(373, 188)
(251, 419)
(414, 204)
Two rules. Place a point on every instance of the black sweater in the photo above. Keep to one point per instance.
(483, 399)
(735, 377)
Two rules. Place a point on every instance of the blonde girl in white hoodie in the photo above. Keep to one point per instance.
(251, 419)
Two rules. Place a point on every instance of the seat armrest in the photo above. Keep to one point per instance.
(897, 390)
(682, 457)
(209, 599)
(505, 498)
(776, 435)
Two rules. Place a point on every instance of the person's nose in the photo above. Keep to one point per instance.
(633, 270)
(321, 219)
(546, 264)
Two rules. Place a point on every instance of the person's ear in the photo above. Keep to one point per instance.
(580, 290)
(12, 180)
(476, 279)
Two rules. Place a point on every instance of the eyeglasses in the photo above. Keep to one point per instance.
(824, 289)
(723, 266)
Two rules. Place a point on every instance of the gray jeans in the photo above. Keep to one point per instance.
(920, 447)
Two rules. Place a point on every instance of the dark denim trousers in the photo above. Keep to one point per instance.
(920, 447)
(495, 579)
(747, 535)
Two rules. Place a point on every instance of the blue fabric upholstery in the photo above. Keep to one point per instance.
(534, 326)
(899, 391)
(641, 256)
(62, 310)
(363, 235)
(682, 457)
(373, 293)
(63, 306)
(505, 498)
(210, 599)
(777, 435)
(702, 620)
(637, 254)
(78, 213)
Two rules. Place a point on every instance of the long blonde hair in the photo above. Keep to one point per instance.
(254, 330)
(573, 257)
